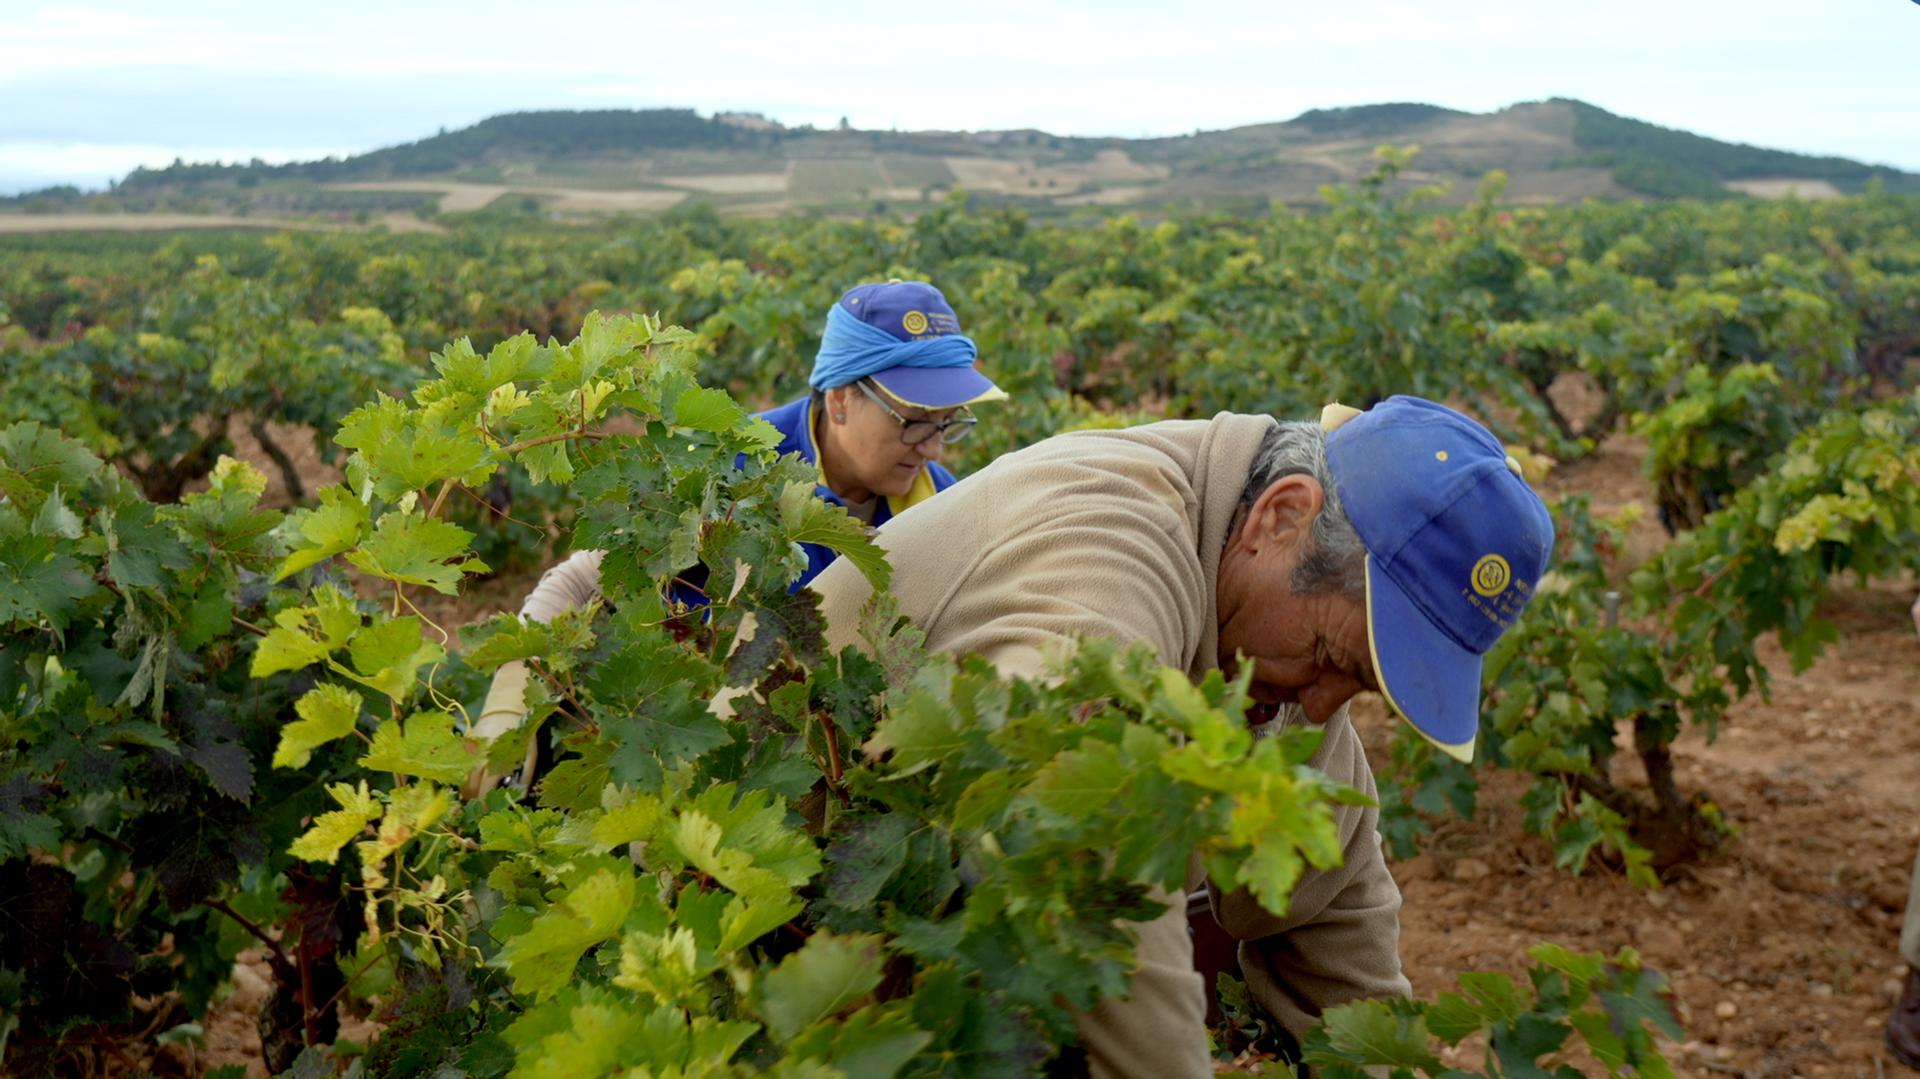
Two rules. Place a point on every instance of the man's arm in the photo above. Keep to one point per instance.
(1077, 570)
(1160, 1031)
(1340, 938)
(1073, 577)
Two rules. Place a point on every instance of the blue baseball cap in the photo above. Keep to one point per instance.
(916, 311)
(1456, 544)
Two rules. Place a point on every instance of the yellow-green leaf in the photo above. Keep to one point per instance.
(336, 525)
(326, 712)
(333, 830)
(424, 746)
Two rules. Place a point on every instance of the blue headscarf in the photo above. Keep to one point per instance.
(851, 350)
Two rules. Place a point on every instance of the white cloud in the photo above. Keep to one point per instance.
(59, 39)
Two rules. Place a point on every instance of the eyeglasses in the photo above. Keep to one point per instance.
(914, 432)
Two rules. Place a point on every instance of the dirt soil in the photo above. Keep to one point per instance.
(1780, 947)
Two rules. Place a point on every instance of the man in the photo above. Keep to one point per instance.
(1383, 550)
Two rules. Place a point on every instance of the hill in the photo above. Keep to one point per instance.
(569, 163)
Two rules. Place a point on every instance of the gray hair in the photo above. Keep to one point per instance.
(1336, 562)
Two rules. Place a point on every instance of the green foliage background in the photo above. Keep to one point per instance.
(218, 718)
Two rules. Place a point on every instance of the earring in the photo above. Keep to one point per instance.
(839, 417)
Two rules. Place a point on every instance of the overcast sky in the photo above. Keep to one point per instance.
(88, 91)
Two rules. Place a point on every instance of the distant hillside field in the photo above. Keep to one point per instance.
(577, 165)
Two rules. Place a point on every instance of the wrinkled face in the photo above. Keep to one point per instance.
(864, 448)
(1310, 649)
(1305, 649)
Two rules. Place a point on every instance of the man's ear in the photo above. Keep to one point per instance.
(1282, 516)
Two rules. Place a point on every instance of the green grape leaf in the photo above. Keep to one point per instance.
(746, 921)
(35, 459)
(424, 746)
(663, 965)
(747, 847)
(864, 859)
(22, 826)
(634, 821)
(196, 853)
(388, 655)
(828, 975)
(706, 409)
(978, 1028)
(541, 960)
(1573, 841)
(1598, 1030)
(1520, 1045)
(227, 516)
(575, 784)
(806, 518)
(142, 552)
(35, 583)
(338, 524)
(675, 726)
(548, 462)
(1637, 997)
(931, 942)
(207, 616)
(505, 638)
(306, 635)
(409, 451)
(1076, 781)
(1490, 999)
(873, 1043)
(334, 829)
(55, 520)
(589, 1031)
(1374, 1032)
(897, 645)
(515, 358)
(227, 765)
(327, 712)
(417, 550)
(791, 622)
(601, 340)
(581, 1031)
(519, 830)
(918, 731)
(411, 810)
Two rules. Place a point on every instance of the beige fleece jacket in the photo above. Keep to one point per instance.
(1119, 534)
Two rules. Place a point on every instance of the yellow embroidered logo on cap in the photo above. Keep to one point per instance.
(914, 322)
(1490, 575)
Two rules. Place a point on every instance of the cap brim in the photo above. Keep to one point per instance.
(1426, 676)
(938, 387)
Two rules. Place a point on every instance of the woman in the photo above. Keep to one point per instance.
(893, 383)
